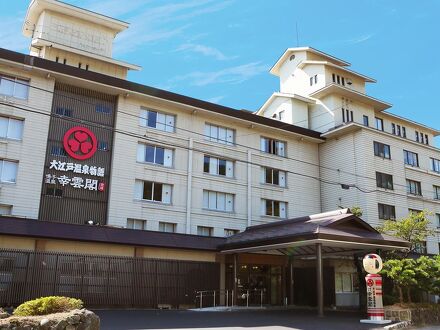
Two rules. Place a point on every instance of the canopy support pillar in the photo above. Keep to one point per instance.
(319, 280)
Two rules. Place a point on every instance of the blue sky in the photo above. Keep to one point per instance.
(221, 51)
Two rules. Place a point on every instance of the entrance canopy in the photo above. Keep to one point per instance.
(339, 232)
(333, 233)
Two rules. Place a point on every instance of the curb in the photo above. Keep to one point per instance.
(398, 325)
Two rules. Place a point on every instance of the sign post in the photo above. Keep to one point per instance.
(373, 265)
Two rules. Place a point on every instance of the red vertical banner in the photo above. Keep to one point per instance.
(374, 297)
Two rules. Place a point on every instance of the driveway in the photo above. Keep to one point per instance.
(261, 320)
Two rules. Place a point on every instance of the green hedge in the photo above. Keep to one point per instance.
(48, 305)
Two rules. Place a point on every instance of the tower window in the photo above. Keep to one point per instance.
(64, 61)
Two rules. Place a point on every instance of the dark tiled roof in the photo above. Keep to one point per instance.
(342, 226)
(104, 234)
(155, 92)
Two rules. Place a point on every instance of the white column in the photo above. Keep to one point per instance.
(249, 189)
(189, 187)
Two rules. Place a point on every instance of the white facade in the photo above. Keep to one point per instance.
(196, 171)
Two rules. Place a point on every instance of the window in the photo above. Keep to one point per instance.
(281, 115)
(167, 227)
(382, 150)
(422, 138)
(218, 166)
(338, 79)
(54, 192)
(311, 81)
(219, 134)
(393, 128)
(384, 180)
(11, 128)
(103, 145)
(273, 176)
(102, 108)
(273, 208)
(403, 131)
(153, 191)
(347, 115)
(218, 201)
(379, 124)
(365, 120)
(413, 187)
(417, 136)
(386, 212)
(5, 210)
(8, 171)
(155, 155)
(314, 79)
(437, 217)
(58, 151)
(272, 146)
(204, 231)
(231, 232)
(436, 192)
(411, 158)
(157, 120)
(435, 165)
(420, 248)
(346, 282)
(63, 112)
(136, 224)
(426, 139)
(14, 87)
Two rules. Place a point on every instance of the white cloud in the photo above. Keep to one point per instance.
(359, 39)
(232, 75)
(204, 50)
(215, 99)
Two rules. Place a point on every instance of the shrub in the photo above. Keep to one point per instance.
(47, 305)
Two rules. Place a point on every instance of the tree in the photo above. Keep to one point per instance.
(414, 229)
(403, 274)
(357, 211)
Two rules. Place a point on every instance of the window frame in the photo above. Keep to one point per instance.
(144, 120)
(436, 190)
(14, 80)
(220, 197)
(413, 187)
(134, 221)
(378, 147)
(165, 225)
(8, 128)
(200, 230)
(2, 166)
(435, 163)
(216, 138)
(384, 180)
(140, 191)
(377, 121)
(273, 144)
(218, 161)
(386, 211)
(275, 205)
(408, 158)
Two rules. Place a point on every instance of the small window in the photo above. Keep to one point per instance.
(5, 210)
(437, 218)
(153, 191)
(231, 232)
(417, 136)
(273, 146)
(204, 231)
(102, 108)
(65, 61)
(393, 128)
(365, 120)
(273, 208)
(404, 131)
(281, 115)
(384, 180)
(54, 192)
(379, 124)
(11, 128)
(273, 176)
(103, 146)
(426, 139)
(218, 166)
(435, 165)
(63, 112)
(158, 120)
(167, 227)
(218, 201)
(136, 224)
(436, 192)
(411, 158)
(155, 154)
(346, 282)
(14, 87)
(382, 150)
(219, 134)
(58, 151)
(413, 187)
(387, 212)
(8, 171)
(311, 81)
(316, 78)
(333, 77)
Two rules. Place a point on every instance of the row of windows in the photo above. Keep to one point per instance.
(14, 87)
(99, 108)
(410, 158)
(170, 227)
(212, 200)
(388, 212)
(337, 79)
(422, 138)
(399, 130)
(313, 80)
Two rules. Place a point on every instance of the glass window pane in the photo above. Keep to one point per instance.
(269, 210)
(276, 208)
(7, 86)
(152, 118)
(130, 223)
(338, 282)
(221, 202)
(9, 171)
(149, 154)
(21, 89)
(268, 176)
(276, 177)
(159, 155)
(346, 282)
(3, 127)
(222, 135)
(157, 194)
(206, 164)
(222, 167)
(148, 191)
(212, 200)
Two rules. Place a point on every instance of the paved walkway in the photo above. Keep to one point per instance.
(260, 320)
